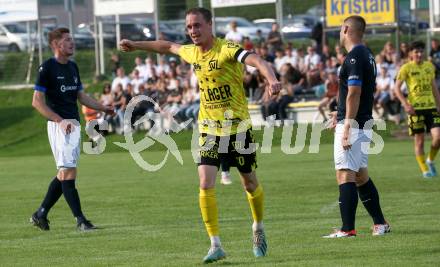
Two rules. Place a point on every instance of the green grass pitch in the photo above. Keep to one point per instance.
(153, 219)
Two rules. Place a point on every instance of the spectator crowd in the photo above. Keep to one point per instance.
(306, 73)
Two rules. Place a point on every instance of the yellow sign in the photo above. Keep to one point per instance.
(373, 11)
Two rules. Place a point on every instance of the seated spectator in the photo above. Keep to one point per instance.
(269, 104)
(403, 53)
(295, 78)
(163, 66)
(138, 65)
(290, 57)
(279, 60)
(331, 92)
(311, 67)
(148, 70)
(247, 44)
(119, 103)
(389, 53)
(384, 84)
(265, 55)
(91, 115)
(136, 82)
(120, 78)
(285, 97)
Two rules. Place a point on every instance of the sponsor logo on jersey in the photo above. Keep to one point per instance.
(213, 65)
(197, 67)
(64, 88)
(216, 94)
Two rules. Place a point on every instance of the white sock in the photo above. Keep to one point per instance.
(215, 241)
(257, 226)
(225, 174)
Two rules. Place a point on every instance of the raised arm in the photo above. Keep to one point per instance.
(265, 70)
(160, 46)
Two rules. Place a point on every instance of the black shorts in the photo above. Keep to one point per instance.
(235, 151)
(423, 121)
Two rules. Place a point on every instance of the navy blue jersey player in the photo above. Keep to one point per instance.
(57, 90)
(353, 123)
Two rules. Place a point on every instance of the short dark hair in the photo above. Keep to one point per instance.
(417, 45)
(207, 15)
(358, 21)
(57, 34)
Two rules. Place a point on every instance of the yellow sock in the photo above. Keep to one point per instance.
(256, 199)
(432, 154)
(208, 208)
(422, 164)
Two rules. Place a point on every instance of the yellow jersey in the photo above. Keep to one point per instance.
(418, 78)
(219, 71)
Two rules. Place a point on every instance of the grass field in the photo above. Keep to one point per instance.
(152, 219)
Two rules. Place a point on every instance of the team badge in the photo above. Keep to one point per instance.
(352, 61)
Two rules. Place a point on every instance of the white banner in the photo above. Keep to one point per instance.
(122, 7)
(226, 3)
(18, 10)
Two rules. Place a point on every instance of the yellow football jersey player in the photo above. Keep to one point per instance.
(223, 103)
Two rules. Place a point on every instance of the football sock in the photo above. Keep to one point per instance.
(215, 241)
(72, 197)
(256, 199)
(348, 200)
(422, 164)
(370, 198)
(432, 153)
(53, 194)
(208, 208)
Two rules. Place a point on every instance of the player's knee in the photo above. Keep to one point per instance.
(66, 173)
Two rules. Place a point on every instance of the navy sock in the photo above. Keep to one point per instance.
(54, 192)
(348, 200)
(72, 197)
(370, 198)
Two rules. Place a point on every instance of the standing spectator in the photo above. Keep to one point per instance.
(233, 34)
(316, 35)
(274, 39)
(120, 78)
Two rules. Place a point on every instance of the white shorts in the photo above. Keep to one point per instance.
(357, 156)
(65, 148)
